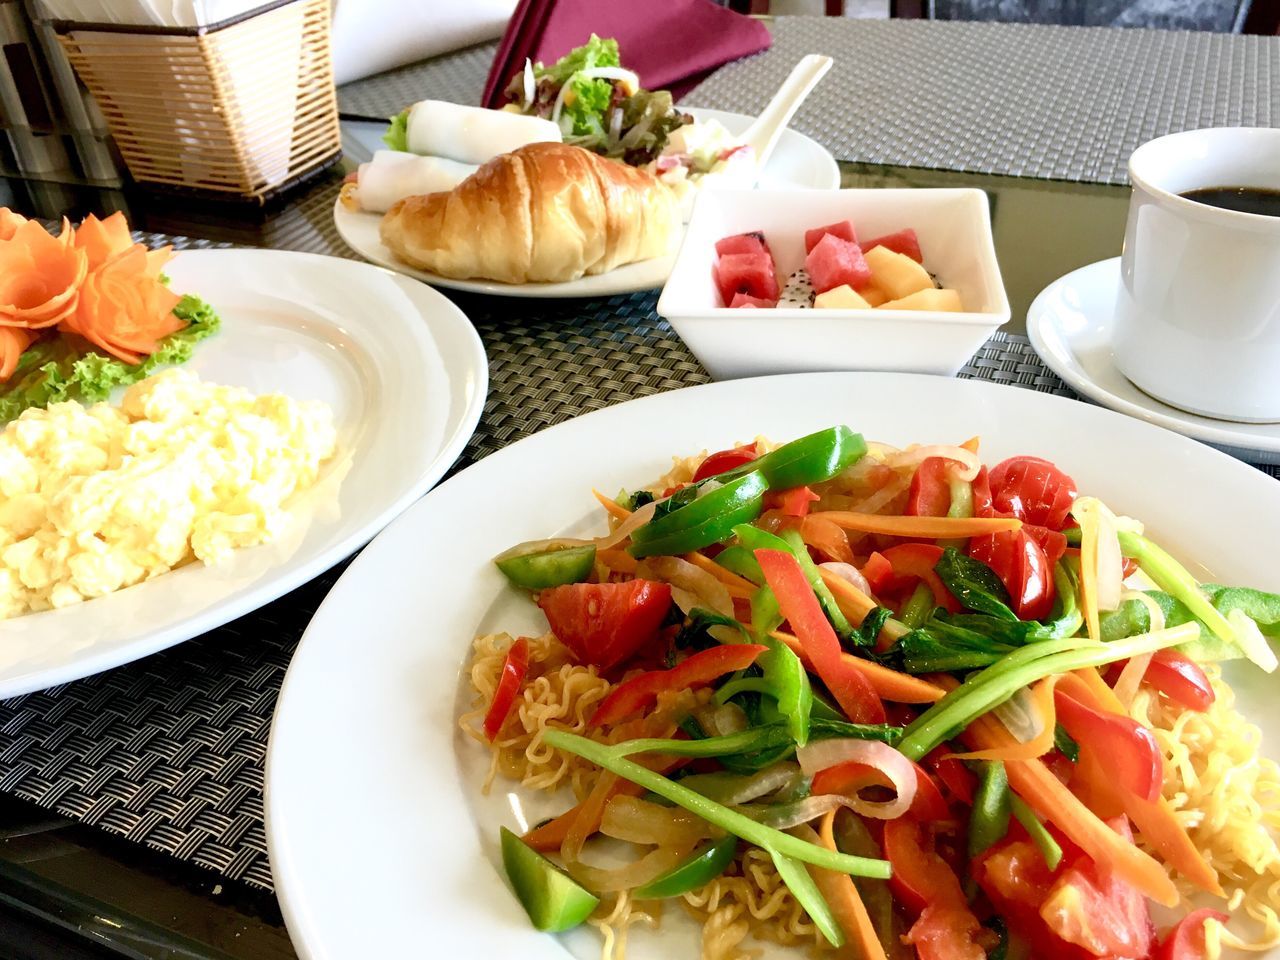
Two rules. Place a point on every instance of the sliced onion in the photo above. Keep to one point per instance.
(1251, 640)
(637, 519)
(530, 83)
(1126, 687)
(902, 775)
(733, 789)
(784, 816)
(690, 586)
(878, 501)
(721, 720)
(639, 821)
(612, 73)
(915, 454)
(847, 571)
(1110, 560)
(1021, 716)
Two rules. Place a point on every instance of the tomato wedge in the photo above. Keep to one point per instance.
(514, 669)
(1180, 679)
(1186, 940)
(1125, 755)
(723, 460)
(1033, 490)
(605, 623)
(922, 881)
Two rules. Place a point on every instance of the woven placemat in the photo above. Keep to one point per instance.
(1027, 100)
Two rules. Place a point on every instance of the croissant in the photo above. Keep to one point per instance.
(544, 213)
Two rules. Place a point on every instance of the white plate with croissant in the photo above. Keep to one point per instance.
(550, 220)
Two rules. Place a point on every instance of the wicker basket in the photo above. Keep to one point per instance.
(242, 107)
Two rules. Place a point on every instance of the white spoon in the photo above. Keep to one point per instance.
(764, 132)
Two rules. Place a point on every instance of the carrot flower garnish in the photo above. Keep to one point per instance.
(40, 275)
(123, 306)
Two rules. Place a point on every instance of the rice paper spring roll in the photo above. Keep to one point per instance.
(392, 175)
(472, 134)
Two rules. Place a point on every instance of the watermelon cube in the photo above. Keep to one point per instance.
(746, 300)
(904, 242)
(833, 262)
(753, 242)
(844, 230)
(749, 273)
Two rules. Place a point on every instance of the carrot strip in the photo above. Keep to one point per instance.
(861, 942)
(1037, 746)
(855, 605)
(618, 560)
(1037, 785)
(930, 528)
(1156, 821)
(737, 586)
(888, 684)
(615, 509)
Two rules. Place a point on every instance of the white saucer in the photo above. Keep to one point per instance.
(1070, 326)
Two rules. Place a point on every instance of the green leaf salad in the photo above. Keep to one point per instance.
(66, 368)
(597, 103)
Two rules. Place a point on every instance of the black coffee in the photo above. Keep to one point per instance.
(1244, 199)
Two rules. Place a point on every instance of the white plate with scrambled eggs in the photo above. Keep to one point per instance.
(334, 395)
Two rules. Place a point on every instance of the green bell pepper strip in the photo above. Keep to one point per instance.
(790, 687)
(1042, 838)
(541, 564)
(766, 615)
(708, 519)
(742, 685)
(553, 899)
(803, 887)
(807, 460)
(704, 865)
(989, 818)
(738, 559)
(714, 813)
(753, 538)
(998, 682)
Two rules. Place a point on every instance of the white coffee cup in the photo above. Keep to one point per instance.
(1198, 313)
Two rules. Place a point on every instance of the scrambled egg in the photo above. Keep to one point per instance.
(99, 498)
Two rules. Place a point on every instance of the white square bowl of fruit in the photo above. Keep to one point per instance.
(791, 281)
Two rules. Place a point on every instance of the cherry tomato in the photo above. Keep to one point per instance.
(1180, 679)
(1033, 490)
(930, 494)
(724, 460)
(1022, 567)
(1186, 940)
(1128, 759)
(605, 623)
(514, 669)
(982, 494)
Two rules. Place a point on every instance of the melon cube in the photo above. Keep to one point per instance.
(753, 242)
(904, 241)
(844, 230)
(750, 273)
(833, 262)
(933, 300)
(873, 295)
(843, 297)
(748, 301)
(896, 274)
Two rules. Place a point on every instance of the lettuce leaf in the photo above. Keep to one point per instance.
(62, 369)
(397, 135)
(594, 53)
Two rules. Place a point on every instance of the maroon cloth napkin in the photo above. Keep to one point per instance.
(671, 44)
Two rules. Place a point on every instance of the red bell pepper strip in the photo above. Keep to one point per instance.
(955, 776)
(1131, 760)
(924, 883)
(918, 560)
(514, 669)
(799, 604)
(930, 494)
(1186, 940)
(878, 572)
(1180, 679)
(640, 692)
(851, 776)
(794, 502)
(723, 460)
